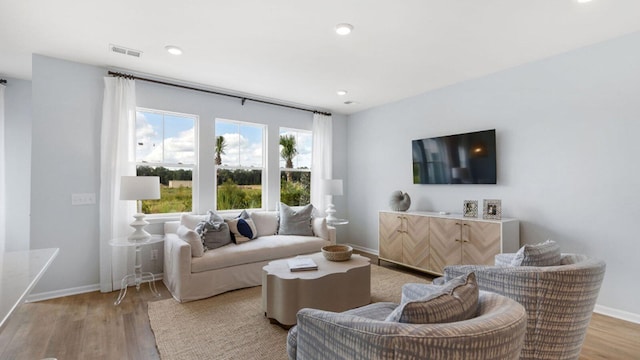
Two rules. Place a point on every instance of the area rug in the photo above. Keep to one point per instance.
(233, 326)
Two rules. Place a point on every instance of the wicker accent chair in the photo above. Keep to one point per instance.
(559, 299)
(497, 332)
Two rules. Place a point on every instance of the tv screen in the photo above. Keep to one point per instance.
(455, 159)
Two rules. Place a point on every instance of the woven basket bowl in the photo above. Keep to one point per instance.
(337, 252)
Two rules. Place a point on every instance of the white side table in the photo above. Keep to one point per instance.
(138, 277)
(337, 222)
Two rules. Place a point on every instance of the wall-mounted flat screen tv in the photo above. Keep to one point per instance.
(468, 158)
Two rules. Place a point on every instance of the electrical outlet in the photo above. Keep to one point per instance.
(154, 254)
(83, 199)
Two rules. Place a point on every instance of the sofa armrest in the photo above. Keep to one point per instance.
(177, 264)
(496, 332)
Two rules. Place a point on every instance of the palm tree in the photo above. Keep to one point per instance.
(288, 151)
(221, 144)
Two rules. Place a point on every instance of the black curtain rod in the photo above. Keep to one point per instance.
(3, 81)
(242, 98)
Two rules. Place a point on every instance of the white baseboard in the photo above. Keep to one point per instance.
(48, 295)
(62, 293)
(618, 314)
(364, 249)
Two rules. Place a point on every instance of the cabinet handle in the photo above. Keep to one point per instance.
(458, 240)
(465, 240)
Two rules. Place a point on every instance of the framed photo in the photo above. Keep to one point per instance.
(492, 209)
(470, 208)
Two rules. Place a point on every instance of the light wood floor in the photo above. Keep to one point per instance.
(89, 326)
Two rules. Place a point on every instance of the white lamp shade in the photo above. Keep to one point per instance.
(139, 188)
(332, 186)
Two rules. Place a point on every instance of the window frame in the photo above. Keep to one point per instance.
(264, 168)
(294, 169)
(194, 167)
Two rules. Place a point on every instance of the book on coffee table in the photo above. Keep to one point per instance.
(302, 264)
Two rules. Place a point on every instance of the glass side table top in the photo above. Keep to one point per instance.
(337, 222)
(124, 241)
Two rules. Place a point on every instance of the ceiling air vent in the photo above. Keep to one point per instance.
(124, 51)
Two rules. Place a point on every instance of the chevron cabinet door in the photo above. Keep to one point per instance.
(390, 236)
(481, 242)
(415, 244)
(444, 238)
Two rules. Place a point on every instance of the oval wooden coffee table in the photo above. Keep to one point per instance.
(335, 286)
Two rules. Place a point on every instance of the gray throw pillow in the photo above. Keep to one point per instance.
(214, 217)
(294, 222)
(542, 254)
(214, 234)
(456, 300)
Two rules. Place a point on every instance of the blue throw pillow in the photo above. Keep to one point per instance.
(242, 228)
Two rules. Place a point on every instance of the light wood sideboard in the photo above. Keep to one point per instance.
(429, 241)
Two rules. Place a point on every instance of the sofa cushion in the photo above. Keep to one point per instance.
(213, 234)
(542, 254)
(457, 300)
(192, 238)
(295, 222)
(266, 222)
(264, 248)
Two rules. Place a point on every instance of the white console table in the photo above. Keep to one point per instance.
(19, 273)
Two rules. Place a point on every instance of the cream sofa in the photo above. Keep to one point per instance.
(233, 266)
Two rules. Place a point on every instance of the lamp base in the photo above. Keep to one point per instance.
(331, 210)
(139, 233)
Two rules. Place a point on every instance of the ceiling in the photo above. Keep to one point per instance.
(287, 50)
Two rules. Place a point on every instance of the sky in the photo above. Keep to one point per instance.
(244, 141)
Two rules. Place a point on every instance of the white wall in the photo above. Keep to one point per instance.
(18, 162)
(67, 110)
(567, 137)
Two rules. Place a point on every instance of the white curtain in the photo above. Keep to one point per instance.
(321, 159)
(3, 197)
(117, 159)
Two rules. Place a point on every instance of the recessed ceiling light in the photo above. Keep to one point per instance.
(341, 92)
(173, 50)
(583, 1)
(344, 29)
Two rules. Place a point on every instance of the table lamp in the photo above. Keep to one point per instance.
(139, 188)
(332, 187)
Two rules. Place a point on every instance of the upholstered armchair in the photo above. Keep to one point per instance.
(496, 332)
(559, 299)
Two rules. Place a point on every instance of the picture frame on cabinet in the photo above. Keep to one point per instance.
(492, 209)
(470, 208)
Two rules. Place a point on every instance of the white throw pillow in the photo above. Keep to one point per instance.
(266, 222)
(191, 221)
(320, 228)
(192, 238)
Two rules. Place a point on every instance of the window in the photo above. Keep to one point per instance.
(239, 158)
(295, 166)
(165, 147)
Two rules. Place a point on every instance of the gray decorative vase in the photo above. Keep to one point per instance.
(399, 201)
